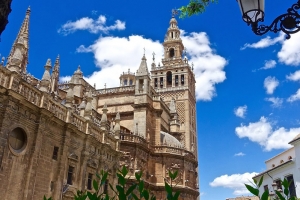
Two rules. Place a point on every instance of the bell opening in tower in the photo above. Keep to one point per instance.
(172, 53)
(169, 79)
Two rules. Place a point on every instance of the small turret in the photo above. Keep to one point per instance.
(46, 79)
(127, 78)
(104, 114)
(70, 94)
(142, 81)
(88, 108)
(117, 127)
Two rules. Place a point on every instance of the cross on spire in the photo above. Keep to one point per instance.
(153, 56)
(144, 50)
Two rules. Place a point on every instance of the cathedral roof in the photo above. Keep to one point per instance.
(169, 140)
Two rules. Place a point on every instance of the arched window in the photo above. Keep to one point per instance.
(130, 82)
(172, 53)
(125, 82)
(169, 79)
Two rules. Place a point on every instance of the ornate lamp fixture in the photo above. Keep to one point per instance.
(253, 13)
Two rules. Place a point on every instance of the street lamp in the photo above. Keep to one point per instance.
(253, 13)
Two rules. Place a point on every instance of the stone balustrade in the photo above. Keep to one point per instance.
(132, 138)
(116, 90)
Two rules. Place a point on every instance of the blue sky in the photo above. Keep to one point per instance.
(247, 86)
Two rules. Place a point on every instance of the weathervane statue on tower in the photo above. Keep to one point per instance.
(174, 12)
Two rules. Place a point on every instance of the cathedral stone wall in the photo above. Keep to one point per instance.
(55, 136)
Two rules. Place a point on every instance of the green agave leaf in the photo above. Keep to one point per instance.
(253, 190)
(260, 181)
(280, 195)
(176, 195)
(168, 188)
(122, 180)
(130, 190)
(146, 194)
(141, 186)
(265, 195)
(95, 185)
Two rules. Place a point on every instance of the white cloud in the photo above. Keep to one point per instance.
(290, 51)
(91, 25)
(294, 97)
(276, 102)
(240, 111)
(116, 54)
(270, 84)
(235, 182)
(294, 77)
(262, 133)
(64, 79)
(239, 154)
(269, 64)
(265, 42)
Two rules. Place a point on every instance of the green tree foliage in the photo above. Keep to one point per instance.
(195, 7)
(124, 191)
(279, 194)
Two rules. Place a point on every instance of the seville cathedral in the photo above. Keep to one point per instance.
(54, 137)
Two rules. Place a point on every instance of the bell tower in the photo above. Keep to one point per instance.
(175, 82)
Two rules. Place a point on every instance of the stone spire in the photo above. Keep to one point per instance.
(117, 127)
(46, 79)
(104, 114)
(143, 69)
(18, 56)
(55, 75)
(88, 107)
(70, 93)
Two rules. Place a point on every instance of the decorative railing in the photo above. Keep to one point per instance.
(77, 121)
(173, 150)
(115, 90)
(110, 141)
(30, 93)
(132, 138)
(56, 108)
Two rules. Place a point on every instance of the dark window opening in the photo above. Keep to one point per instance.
(125, 82)
(292, 189)
(141, 85)
(130, 82)
(155, 82)
(176, 80)
(172, 53)
(105, 187)
(161, 82)
(70, 175)
(278, 184)
(89, 182)
(169, 79)
(266, 188)
(182, 79)
(51, 186)
(55, 153)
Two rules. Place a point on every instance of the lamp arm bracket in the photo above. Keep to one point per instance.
(288, 23)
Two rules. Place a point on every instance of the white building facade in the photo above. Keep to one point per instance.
(285, 165)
